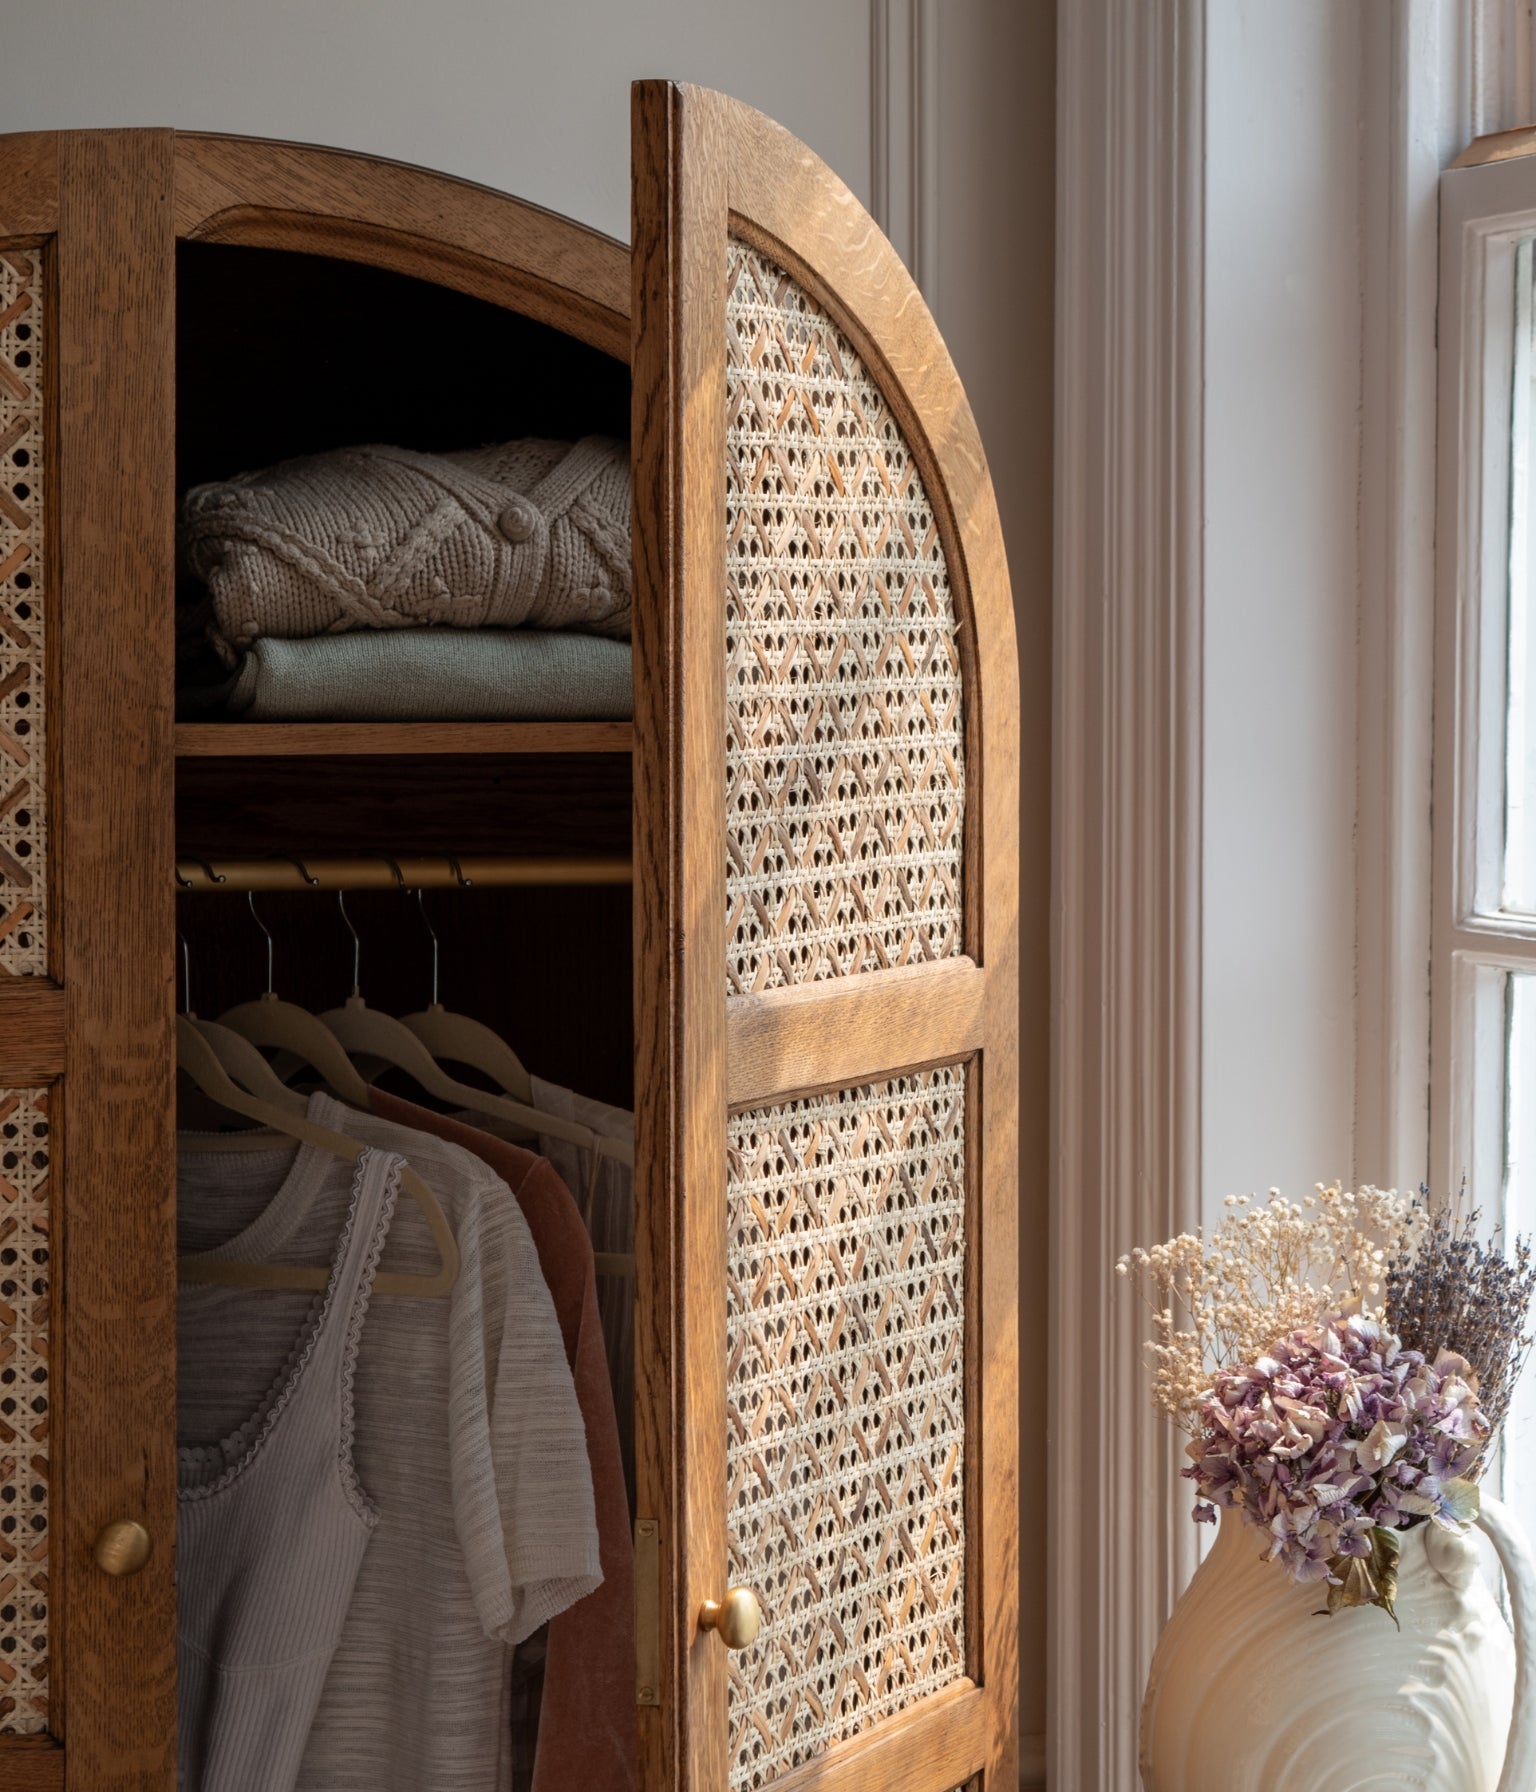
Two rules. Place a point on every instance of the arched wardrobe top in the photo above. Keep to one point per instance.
(436, 227)
(825, 831)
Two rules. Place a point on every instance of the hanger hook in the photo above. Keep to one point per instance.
(214, 877)
(186, 974)
(394, 866)
(250, 898)
(303, 871)
(465, 883)
(357, 944)
(426, 922)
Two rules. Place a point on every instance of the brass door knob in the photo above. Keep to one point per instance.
(122, 1548)
(736, 1619)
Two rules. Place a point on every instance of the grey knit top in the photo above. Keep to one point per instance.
(271, 1529)
(526, 534)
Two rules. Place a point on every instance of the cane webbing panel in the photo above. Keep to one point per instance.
(23, 758)
(845, 1411)
(24, 1414)
(844, 759)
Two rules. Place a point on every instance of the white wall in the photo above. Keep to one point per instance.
(1282, 470)
(532, 98)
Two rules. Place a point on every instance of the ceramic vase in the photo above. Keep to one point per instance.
(1252, 1691)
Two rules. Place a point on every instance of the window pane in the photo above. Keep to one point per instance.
(1520, 718)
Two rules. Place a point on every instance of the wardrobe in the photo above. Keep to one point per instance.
(781, 926)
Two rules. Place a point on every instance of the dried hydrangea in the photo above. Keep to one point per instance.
(1336, 1439)
(1265, 1272)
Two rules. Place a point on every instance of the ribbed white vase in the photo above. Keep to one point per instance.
(1252, 1691)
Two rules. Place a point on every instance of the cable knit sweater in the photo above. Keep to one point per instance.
(531, 533)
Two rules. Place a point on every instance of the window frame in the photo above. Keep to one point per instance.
(1486, 207)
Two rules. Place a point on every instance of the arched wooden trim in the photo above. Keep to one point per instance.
(789, 204)
(411, 220)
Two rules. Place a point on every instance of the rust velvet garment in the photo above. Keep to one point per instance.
(588, 1732)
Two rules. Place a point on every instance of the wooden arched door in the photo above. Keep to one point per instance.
(826, 791)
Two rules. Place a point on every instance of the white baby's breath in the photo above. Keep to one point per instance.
(1264, 1272)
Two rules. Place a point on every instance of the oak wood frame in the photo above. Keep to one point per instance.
(115, 202)
(104, 209)
(706, 167)
(259, 740)
(112, 831)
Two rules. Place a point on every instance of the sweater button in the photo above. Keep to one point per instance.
(517, 521)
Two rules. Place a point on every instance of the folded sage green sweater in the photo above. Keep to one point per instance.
(428, 675)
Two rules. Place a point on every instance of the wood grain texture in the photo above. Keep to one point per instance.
(567, 803)
(657, 682)
(783, 201)
(33, 1018)
(25, 1768)
(432, 226)
(113, 489)
(239, 740)
(938, 1743)
(815, 1036)
(679, 406)
(29, 184)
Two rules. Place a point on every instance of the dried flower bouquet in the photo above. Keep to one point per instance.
(1342, 1367)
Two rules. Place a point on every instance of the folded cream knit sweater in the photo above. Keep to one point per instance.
(531, 533)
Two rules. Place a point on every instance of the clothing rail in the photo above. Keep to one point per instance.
(416, 872)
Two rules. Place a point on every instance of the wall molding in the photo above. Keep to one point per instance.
(1497, 65)
(1411, 64)
(904, 133)
(1127, 879)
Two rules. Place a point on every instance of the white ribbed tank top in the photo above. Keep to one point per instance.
(271, 1529)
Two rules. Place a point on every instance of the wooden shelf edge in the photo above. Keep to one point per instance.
(260, 740)
(31, 1764)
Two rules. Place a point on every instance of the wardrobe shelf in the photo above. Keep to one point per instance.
(262, 740)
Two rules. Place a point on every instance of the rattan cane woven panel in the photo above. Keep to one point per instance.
(845, 1329)
(844, 753)
(23, 758)
(24, 1411)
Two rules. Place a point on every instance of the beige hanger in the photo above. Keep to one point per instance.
(365, 1031)
(241, 1059)
(457, 1037)
(248, 1068)
(195, 1056)
(287, 1027)
(463, 1040)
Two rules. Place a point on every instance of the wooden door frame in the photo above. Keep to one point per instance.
(704, 167)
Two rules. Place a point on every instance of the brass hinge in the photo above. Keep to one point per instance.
(647, 1611)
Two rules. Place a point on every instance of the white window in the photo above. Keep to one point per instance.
(1483, 970)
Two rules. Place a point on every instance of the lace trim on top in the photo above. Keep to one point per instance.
(232, 1455)
(351, 1486)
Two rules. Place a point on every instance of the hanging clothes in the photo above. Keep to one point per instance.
(272, 1526)
(468, 1438)
(605, 1192)
(608, 1198)
(586, 1733)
